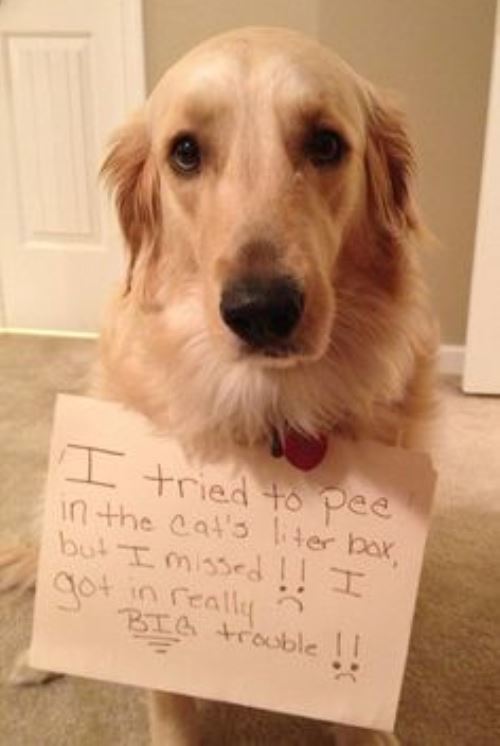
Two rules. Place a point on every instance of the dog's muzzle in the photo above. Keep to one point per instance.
(263, 311)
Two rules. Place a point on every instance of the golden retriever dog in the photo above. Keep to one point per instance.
(274, 281)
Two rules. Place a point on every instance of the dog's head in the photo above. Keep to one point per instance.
(263, 183)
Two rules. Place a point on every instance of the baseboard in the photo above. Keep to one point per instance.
(49, 333)
(451, 360)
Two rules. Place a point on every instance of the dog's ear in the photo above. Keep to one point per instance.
(130, 172)
(389, 168)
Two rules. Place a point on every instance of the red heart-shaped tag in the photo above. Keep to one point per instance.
(304, 452)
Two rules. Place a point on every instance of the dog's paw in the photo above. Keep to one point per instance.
(348, 736)
(18, 563)
(23, 674)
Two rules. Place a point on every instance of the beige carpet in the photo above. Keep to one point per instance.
(451, 694)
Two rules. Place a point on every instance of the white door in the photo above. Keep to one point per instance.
(482, 358)
(70, 72)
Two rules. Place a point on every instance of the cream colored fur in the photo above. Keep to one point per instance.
(363, 352)
(351, 235)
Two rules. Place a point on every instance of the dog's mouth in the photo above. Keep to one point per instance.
(273, 352)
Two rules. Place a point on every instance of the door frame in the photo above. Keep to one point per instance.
(133, 40)
(480, 376)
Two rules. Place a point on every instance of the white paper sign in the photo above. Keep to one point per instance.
(250, 582)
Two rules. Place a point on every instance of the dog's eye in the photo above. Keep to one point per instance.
(324, 147)
(185, 155)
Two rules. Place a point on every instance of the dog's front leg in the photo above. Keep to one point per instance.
(173, 720)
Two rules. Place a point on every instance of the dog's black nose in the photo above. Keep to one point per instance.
(262, 311)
